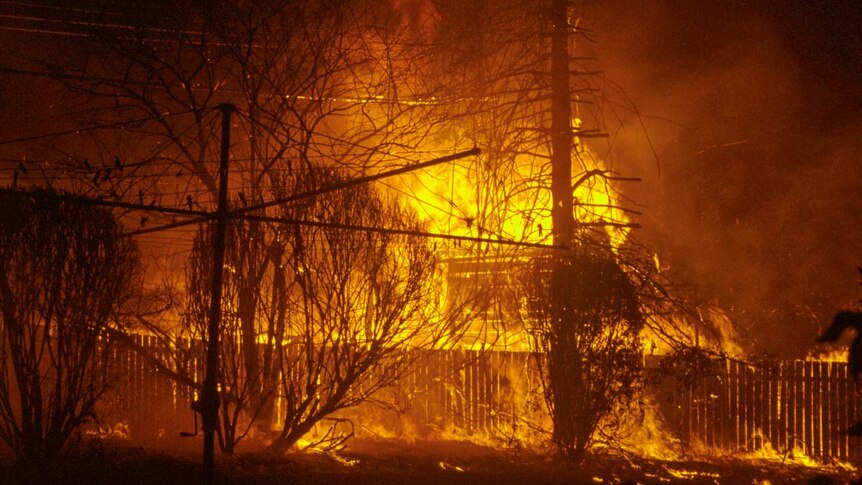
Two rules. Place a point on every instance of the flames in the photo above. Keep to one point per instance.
(828, 355)
(507, 197)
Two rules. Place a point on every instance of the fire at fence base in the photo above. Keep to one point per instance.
(792, 412)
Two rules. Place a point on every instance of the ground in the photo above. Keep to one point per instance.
(382, 462)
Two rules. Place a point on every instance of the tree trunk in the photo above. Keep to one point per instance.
(247, 311)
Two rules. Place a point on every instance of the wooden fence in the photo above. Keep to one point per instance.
(149, 403)
(492, 393)
(793, 404)
(739, 407)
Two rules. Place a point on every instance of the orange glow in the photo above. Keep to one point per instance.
(830, 355)
(466, 198)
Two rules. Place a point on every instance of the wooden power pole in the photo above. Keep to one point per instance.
(209, 397)
(562, 216)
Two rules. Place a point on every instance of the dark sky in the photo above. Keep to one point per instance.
(755, 113)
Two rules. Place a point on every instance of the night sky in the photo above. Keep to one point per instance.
(750, 154)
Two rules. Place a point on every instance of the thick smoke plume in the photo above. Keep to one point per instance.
(751, 155)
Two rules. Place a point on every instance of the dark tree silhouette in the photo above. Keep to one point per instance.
(842, 322)
(584, 316)
(356, 303)
(325, 318)
(310, 89)
(65, 271)
(251, 307)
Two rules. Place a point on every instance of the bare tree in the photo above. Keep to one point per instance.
(364, 300)
(502, 57)
(326, 317)
(347, 86)
(65, 272)
(246, 373)
(316, 84)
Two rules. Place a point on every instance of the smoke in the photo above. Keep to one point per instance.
(420, 16)
(753, 112)
(753, 109)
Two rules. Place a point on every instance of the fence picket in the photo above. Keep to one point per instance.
(792, 404)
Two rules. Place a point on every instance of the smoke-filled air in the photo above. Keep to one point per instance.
(430, 241)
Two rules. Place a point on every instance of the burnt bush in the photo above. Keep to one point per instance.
(65, 271)
(583, 315)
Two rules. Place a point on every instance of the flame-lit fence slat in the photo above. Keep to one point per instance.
(842, 415)
(151, 405)
(784, 406)
(790, 406)
(787, 407)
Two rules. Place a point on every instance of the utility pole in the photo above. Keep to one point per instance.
(562, 216)
(209, 397)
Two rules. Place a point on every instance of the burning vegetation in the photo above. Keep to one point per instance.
(323, 226)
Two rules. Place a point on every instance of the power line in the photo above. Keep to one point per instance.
(402, 232)
(361, 180)
(42, 31)
(71, 164)
(60, 8)
(164, 227)
(76, 131)
(202, 216)
(69, 22)
(447, 212)
(60, 74)
(125, 26)
(107, 203)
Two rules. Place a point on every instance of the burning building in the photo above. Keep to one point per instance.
(417, 287)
